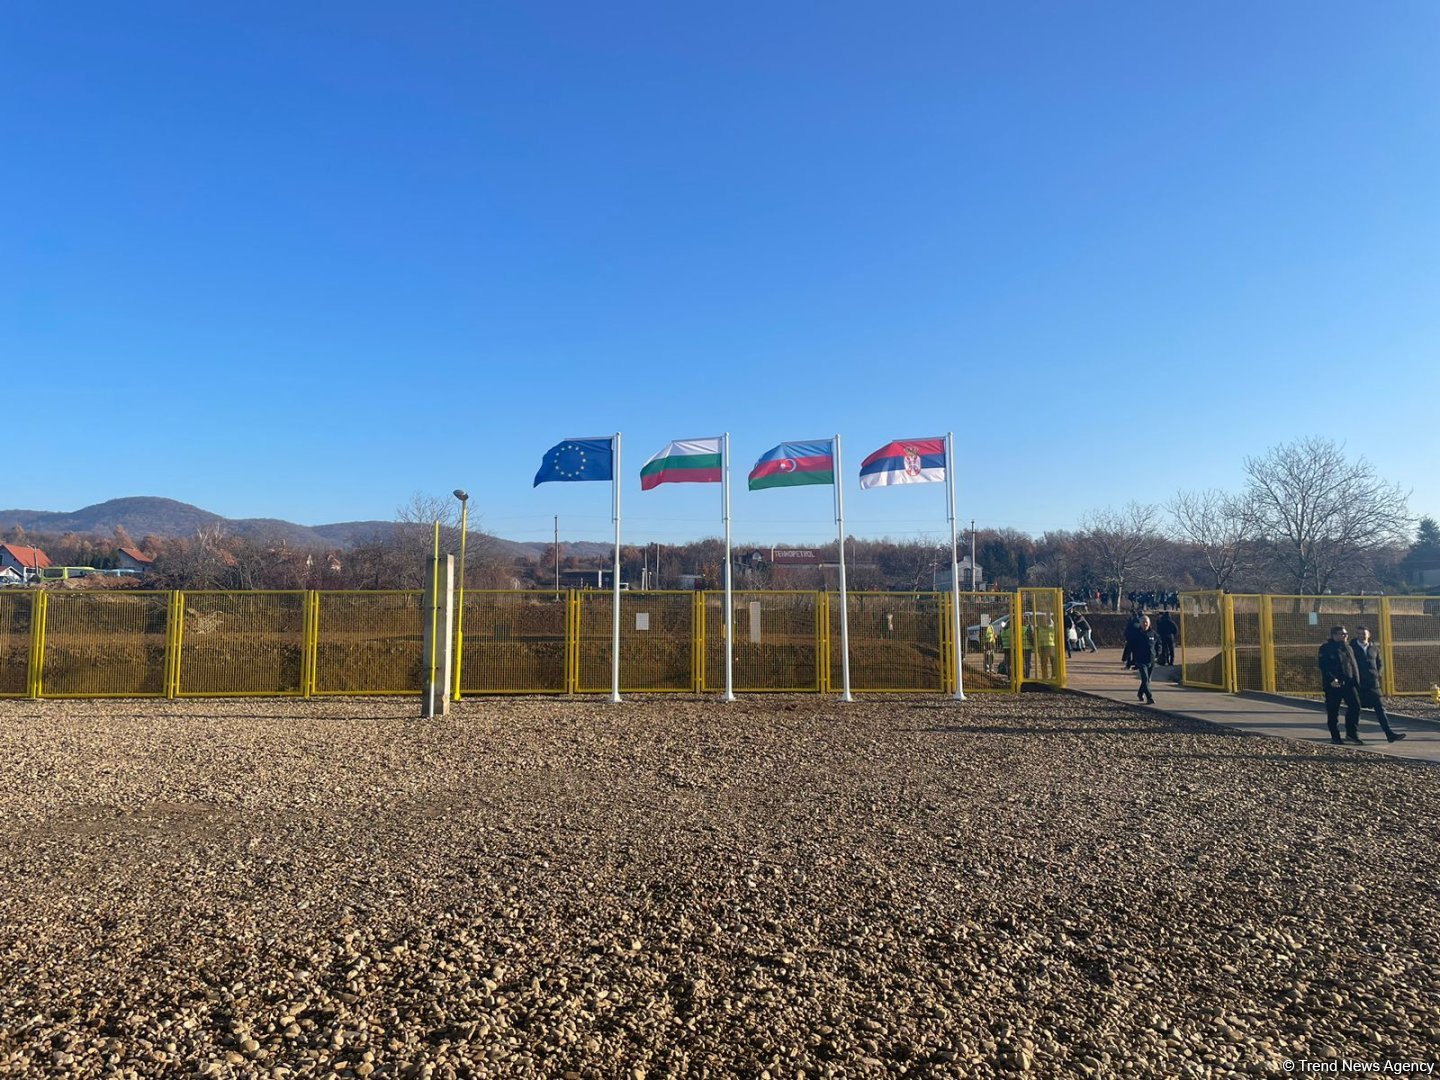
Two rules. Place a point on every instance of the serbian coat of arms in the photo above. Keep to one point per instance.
(912, 461)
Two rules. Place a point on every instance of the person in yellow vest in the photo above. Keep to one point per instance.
(1005, 648)
(987, 645)
(1045, 642)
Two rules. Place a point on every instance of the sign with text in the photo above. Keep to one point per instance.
(795, 556)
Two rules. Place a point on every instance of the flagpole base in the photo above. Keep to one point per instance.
(847, 697)
(615, 699)
(959, 695)
(728, 697)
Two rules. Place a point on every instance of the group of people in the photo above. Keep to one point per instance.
(1078, 636)
(1153, 599)
(1349, 667)
(1350, 673)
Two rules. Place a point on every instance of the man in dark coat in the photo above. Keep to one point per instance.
(1339, 675)
(1370, 663)
(1131, 629)
(1144, 647)
(1166, 629)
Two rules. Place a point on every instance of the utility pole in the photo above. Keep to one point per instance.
(972, 555)
(557, 556)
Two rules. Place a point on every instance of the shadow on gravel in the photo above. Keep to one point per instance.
(300, 717)
(1354, 761)
(997, 729)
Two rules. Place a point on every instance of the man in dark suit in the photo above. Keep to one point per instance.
(1166, 630)
(1144, 647)
(1369, 664)
(1339, 675)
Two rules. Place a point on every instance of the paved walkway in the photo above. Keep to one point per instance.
(1100, 674)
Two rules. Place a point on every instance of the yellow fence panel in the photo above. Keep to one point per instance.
(106, 644)
(895, 642)
(1042, 618)
(235, 644)
(1202, 641)
(1251, 653)
(656, 641)
(1413, 655)
(277, 643)
(777, 641)
(369, 642)
(17, 608)
(515, 643)
(1302, 624)
(983, 615)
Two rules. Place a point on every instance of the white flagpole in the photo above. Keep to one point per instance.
(844, 613)
(729, 600)
(954, 566)
(615, 583)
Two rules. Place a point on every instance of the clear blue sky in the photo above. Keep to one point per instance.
(304, 260)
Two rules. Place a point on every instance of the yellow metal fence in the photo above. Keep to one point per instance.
(1270, 643)
(57, 644)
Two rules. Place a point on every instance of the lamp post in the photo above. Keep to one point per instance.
(464, 497)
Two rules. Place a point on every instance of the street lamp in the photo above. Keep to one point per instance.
(464, 497)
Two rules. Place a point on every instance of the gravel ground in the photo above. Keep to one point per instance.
(1413, 706)
(782, 887)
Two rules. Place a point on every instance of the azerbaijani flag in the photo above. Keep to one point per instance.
(905, 461)
(686, 461)
(792, 464)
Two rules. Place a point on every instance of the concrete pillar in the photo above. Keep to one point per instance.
(438, 611)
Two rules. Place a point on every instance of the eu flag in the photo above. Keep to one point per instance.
(577, 459)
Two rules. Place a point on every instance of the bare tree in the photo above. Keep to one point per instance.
(1218, 526)
(1316, 511)
(1121, 543)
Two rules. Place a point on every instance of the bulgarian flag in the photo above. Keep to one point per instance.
(687, 461)
(792, 464)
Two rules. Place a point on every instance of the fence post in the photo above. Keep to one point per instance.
(572, 642)
(439, 636)
(697, 640)
(1017, 643)
(174, 621)
(1267, 644)
(309, 642)
(35, 669)
(1227, 643)
(1387, 650)
(1061, 671)
(947, 657)
(822, 640)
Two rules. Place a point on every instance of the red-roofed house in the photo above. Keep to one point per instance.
(26, 561)
(129, 558)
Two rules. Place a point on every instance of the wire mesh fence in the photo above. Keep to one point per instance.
(777, 641)
(515, 643)
(71, 643)
(106, 644)
(369, 642)
(1271, 643)
(234, 644)
(1202, 647)
(16, 629)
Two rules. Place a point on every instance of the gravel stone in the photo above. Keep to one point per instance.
(1040, 885)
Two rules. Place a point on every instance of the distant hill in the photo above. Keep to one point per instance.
(148, 515)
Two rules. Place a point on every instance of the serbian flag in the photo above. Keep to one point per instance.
(905, 461)
(686, 461)
(792, 464)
